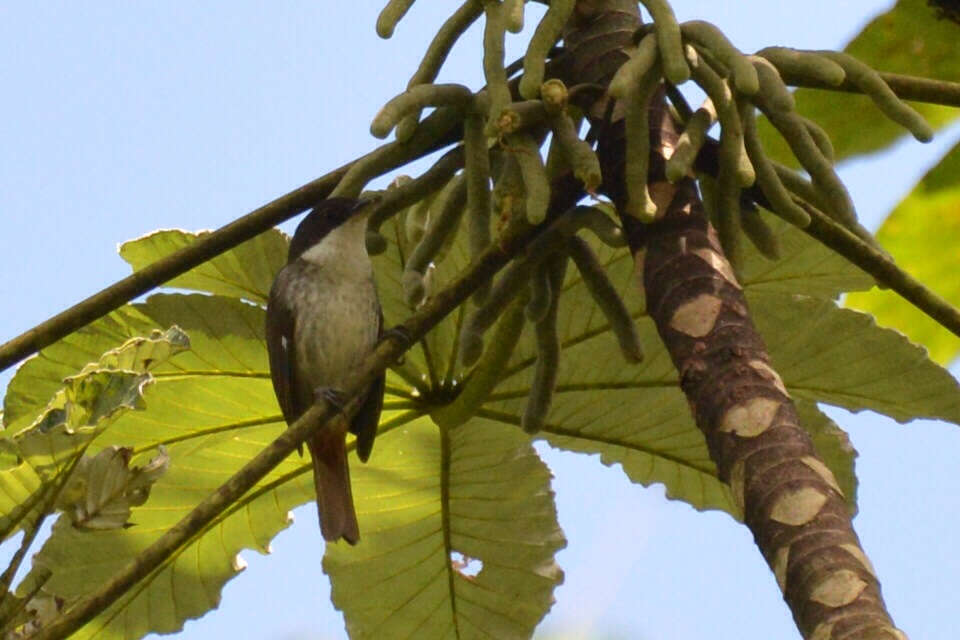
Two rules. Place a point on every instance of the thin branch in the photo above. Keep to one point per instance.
(434, 310)
(30, 533)
(433, 133)
(906, 87)
(881, 267)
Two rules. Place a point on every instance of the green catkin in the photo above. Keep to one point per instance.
(824, 177)
(383, 159)
(770, 184)
(870, 82)
(637, 125)
(607, 298)
(598, 222)
(790, 125)
(509, 195)
(632, 72)
(544, 37)
(554, 95)
(488, 372)
(707, 35)
(410, 193)
(477, 170)
(517, 116)
(417, 218)
(512, 280)
(513, 12)
(545, 371)
(732, 151)
(820, 138)
(804, 64)
(775, 92)
(493, 70)
(416, 98)
(690, 142)
(807, 190)
(801, 186)
(759, 233)
(436, 54)
(440, 227)
(391, 15)
(578, 153)
(728, 207)
(540, 294)
(669, 40)
(535, 180)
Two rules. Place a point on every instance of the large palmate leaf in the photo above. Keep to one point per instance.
(244, 272)
(437, 504)
(20, 490)
(907, 39)
(922, 233)
(459, 533)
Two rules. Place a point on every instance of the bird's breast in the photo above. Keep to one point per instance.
(337, 322)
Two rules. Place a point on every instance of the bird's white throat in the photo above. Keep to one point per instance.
(345, 246)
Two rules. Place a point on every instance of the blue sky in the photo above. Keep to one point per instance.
(120, 118)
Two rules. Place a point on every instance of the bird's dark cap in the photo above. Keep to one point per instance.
(325, 217)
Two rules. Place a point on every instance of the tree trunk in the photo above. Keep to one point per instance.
(789, 498)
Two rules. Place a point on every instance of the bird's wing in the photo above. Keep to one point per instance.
(279, 330)
(367, 418)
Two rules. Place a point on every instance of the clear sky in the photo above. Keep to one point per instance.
(119, 118)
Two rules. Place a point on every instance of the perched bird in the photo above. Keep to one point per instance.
(323, 319)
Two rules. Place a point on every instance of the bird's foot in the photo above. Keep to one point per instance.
(401, 335)
(332, 396)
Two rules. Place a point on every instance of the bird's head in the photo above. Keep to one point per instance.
(329, 215)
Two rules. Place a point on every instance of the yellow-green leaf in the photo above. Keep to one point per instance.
(923, 235)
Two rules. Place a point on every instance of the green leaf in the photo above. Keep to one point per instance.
(841, 357)
(40, 377)
(103, 488)
(213, 408)
(908, 39)
(90, 399)
(20, 489)
(245, 271)
(636, 415)
(432, 500)
(922, 233)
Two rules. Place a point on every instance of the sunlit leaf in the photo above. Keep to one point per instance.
(923, 235)
(245, 271)
(907, 39)
(459, 534)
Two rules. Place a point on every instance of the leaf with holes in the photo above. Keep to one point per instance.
(459, 536)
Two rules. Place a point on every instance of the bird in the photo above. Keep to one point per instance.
(323, 318)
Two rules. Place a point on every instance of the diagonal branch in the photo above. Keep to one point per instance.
(434, 310)
(881, 267)
(433, 133)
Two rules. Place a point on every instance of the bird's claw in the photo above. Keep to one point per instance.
(334, 397)
(399, 334)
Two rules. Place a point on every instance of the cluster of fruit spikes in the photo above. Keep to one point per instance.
(505, 124)
(736, 86)
(501, 144)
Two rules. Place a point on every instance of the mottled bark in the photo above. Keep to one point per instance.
(790, 499)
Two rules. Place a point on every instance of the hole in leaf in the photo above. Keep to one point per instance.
(465, 565)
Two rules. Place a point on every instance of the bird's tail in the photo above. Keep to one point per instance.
(331, 476)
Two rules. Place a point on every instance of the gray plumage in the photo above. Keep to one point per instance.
(323, 319)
